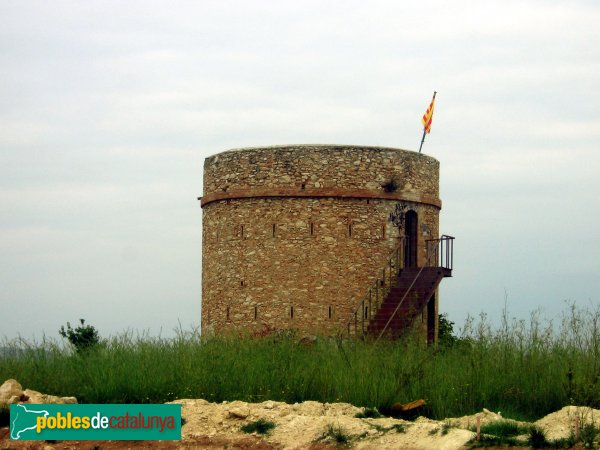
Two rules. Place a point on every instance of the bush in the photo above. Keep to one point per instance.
(446, 335)
(336, 434)
(537, 438)
(260, 426)
(82, 338)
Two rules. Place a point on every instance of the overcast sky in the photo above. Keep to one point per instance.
(108, 109)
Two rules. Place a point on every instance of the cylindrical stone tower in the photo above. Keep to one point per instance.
(293, 236)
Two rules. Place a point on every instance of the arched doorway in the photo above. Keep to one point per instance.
(411, 244)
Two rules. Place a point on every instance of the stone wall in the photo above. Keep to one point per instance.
(293, 236)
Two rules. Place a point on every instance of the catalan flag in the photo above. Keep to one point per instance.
(428, 116)
(426, 120)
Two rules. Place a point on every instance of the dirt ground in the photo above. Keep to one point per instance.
(308, 425)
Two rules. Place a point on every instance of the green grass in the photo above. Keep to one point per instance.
(504, 434)
(589, 434)
(399, 428)
(503, 428)
(335, 434)
(494, 441)
(524, 369)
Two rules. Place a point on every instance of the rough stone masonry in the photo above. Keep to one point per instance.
(293, 236)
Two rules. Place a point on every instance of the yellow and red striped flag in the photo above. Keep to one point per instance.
(428, 116)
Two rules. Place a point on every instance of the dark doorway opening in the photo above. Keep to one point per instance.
(411, 243)
(431, 319)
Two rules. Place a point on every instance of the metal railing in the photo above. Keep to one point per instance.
(431, 247)
(439, 253)
(367, 307)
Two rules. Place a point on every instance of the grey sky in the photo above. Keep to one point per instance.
(108, 109)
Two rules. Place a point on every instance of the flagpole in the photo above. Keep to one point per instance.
(425, 129)
(422, 140)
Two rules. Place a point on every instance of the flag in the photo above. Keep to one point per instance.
(428, 116)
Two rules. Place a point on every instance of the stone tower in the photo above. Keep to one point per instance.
(294, 236)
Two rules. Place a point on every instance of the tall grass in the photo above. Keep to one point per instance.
(524, 369)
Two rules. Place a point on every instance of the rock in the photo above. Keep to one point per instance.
(34, 396)
(15, 399)
(9, 389)
(269, 405)
(307, 341)
(37, 398)
(237, 413)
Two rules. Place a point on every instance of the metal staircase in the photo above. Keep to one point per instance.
(401, 293)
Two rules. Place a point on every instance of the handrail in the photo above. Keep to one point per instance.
(430, 255)
(439, 253)
(443, 251)
(372, 300)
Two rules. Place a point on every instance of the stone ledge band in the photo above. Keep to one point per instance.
(319, 193)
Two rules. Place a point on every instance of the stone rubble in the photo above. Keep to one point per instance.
(11, 392)
(302, 425)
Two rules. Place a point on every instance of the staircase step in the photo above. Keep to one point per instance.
(401, 307)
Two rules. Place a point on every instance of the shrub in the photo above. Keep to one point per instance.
(336, 434)
(446, 335)
(260, 426)
(537, 438)
(82, 338)
(399, 428)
